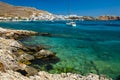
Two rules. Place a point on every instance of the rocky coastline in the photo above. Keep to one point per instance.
(16, 57)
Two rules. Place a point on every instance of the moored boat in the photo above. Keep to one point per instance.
(73, 24)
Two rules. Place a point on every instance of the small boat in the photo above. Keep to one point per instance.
(73, 24)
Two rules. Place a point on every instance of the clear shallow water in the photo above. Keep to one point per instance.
(89, 47)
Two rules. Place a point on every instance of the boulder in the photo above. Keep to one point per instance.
(44, 53)
(8, 60)
(26, 57)
(10, 44)
(31, 71)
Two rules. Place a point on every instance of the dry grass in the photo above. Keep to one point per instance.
(8, 10)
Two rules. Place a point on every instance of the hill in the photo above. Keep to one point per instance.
(7, 10)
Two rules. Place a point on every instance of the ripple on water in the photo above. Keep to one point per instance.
(84, 49)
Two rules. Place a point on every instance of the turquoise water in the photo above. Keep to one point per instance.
(91, 46)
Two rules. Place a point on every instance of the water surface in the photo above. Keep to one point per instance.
(91, 46)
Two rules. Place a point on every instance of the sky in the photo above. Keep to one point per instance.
(78, 7)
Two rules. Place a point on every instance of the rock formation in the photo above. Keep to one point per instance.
(12, 75)
(108, 18)
(14, 58)
(16, 34)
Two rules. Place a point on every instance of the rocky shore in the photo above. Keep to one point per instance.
(15, 59)
(16, 34)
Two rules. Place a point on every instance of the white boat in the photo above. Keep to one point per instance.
(70, 23)
(73, 24)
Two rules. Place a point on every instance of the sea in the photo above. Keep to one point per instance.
(90, 47)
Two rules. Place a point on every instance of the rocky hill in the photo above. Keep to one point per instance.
(8, 10)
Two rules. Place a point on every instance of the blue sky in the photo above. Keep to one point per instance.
(79, 7)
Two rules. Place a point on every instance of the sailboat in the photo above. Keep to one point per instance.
(71, 23)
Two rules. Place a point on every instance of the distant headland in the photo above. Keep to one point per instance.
(19, 13)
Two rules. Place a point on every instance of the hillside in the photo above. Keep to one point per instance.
(8, 10)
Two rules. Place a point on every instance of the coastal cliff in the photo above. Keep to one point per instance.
(15, 57)
(108, 18)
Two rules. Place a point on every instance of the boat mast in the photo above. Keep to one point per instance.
(69, 7)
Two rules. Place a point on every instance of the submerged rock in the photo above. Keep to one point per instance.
(44, 59)
(118, 77)
(46, 34)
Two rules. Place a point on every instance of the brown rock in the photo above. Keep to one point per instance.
(31, 71)
(16, 34)
(2, 67)
(108, 18)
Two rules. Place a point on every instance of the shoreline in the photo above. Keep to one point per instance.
(15, 59)
(53, 20)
